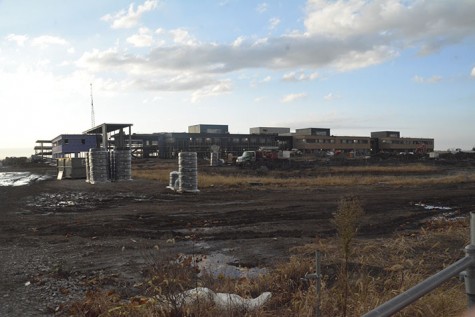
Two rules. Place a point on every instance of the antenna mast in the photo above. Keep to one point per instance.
(93, 116)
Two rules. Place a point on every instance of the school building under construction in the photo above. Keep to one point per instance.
(206, 138)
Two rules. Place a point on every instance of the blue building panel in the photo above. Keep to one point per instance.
(73, 144)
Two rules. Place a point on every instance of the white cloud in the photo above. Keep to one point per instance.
(130, 18)
(331, 96)
(273, 23)
(429, 80)
(18, 39)
(293, 97)
(355, 59)
(48, 40)
(237, 42)
(255, 82)
(266, 79)
(142, 39)
(473, 72)
(217, 89)
(342, 35)
(302, 76)
(262, 7)
(183, 37)
(428, 25)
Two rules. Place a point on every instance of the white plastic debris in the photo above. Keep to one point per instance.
(224, 300)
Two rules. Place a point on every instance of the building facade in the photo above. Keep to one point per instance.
(392, 142)
(208, 128)
(73, 145)
(315, 144)
(205, 138)
(269, 130)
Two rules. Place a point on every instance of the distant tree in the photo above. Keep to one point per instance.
(15, 161)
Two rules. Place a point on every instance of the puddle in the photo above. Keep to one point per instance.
(48, 203)
(20, 178)
(222, 265)
(444, 213)
(432, 207)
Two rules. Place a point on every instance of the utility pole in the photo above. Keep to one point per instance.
(93, 116)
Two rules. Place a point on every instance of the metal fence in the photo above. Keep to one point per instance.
(466, 266)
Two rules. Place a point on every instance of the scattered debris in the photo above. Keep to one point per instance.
(432, 207)
(224, 300)
(20, 178)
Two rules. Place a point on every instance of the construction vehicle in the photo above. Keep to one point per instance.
(270, 157)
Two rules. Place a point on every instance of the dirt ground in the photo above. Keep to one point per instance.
(59, 239)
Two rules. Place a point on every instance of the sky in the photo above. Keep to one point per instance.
(354, 66)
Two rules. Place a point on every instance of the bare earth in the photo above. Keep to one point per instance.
(60, 238)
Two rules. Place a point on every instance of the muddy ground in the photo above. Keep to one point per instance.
(60, 238)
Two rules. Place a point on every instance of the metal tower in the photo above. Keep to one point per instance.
(93, 116)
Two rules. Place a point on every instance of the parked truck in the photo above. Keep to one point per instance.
(271, 157)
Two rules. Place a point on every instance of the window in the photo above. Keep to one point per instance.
(83, 141)
(66, 141)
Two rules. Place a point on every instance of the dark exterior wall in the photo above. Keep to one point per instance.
(66, 144)
(313, 131)
(208, 128)
(386, 134)
(170, 144)
(269, 130)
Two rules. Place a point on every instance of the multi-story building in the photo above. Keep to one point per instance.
(206, 138)
(72, 145)
(209, 138)
(269, 130)
(170, 144)
(392, 142)
(314, 140)
(208, 128)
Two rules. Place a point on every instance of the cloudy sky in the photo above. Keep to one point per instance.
(353, 66)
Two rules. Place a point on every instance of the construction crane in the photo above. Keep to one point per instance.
(93, 116)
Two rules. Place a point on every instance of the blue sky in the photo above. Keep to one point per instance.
(353, 66)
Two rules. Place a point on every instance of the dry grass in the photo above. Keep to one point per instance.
(376, 270)
(406, 175)
(379, 270)
(396, 169)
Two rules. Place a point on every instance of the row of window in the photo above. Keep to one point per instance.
(67, 141)
(407, 142)
(333, 141)
(251, 140)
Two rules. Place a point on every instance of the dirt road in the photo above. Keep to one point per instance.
(61, 238)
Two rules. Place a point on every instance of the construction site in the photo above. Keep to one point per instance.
(118, 211)
(209, 138)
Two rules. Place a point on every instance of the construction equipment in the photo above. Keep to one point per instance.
(270, 157)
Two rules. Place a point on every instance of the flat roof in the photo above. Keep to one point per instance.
(109, 128)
